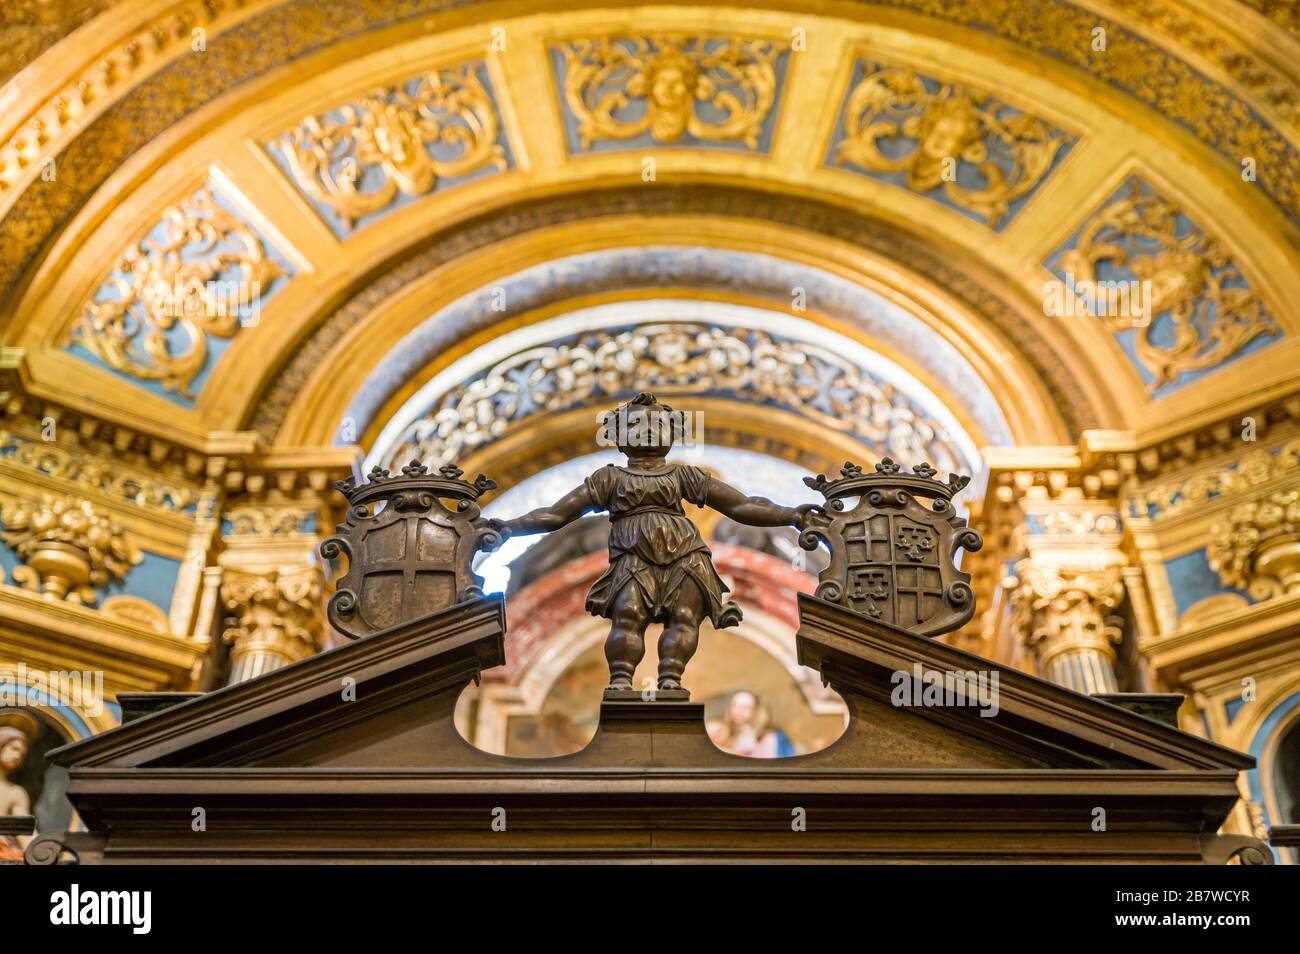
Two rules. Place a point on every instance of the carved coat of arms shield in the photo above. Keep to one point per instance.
(410, 541)
(892, 556)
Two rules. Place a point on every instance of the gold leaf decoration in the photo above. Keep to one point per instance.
(677, 357)
(670, 87)
(1200, 310)
(897, 121)
(356, 160)
(189, 278)
(67, 548)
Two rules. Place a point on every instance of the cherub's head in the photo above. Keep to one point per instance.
(643, 427)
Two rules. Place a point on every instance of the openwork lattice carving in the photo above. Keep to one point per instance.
(677, 358)
(192, 277)
(891, 556)
(401, 139)
(982, 153)
(409, 540)
(670, 87)
(1202, 313)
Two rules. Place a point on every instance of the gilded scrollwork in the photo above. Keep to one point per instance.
(681, 357)
(1184, 493)
(396, 140)
(106, 476)
(195, 276)
(670, 87)
(67, 548)
(984, 154)
(1200, 312)
(1257, 547)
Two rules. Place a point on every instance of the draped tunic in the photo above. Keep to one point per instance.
(653, 545)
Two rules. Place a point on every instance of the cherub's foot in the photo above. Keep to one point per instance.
(667, 683)
(618, 682)
(730, 615)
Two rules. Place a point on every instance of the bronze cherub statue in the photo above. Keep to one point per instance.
(660, 569)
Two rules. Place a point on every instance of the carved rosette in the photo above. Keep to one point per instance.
(1064, 617)
(1257, 548)
(892, 556)
(277, 618)
(68, 550)
(410, 540)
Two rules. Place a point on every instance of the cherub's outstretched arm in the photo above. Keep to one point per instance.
(755, 511)
(564, 511)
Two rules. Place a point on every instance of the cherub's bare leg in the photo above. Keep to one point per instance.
(625, 647)
(680, 636)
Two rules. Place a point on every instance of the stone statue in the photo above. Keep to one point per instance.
(659, 567)
(18, 731)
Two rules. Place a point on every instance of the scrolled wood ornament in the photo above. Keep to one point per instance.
(409, 539)
(892, 556)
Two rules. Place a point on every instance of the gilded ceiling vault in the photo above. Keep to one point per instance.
(252, 248)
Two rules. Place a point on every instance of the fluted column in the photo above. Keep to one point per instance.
(1064, 617)
(277, 618)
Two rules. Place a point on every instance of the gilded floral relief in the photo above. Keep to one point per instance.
(395, 143)
(1196, 313)
(945, 141)
(669, 89)
(176, 298)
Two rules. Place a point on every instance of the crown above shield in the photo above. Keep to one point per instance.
(888, 475)
(413, 482)
(410, 539)
(893, 558)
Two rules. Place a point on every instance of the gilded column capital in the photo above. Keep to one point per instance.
(277, 616)
(67, 548)
(1064, 616)
(1256, 547)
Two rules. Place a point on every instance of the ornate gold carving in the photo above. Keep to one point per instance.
(622, 88)
(677, 357)
(947, 125)
(180, 280)
(30, 27)
(268, 521)
(66, 547)
(138, 611)
(389, 133)
(1257, 548)
(1064, 616)
(108, 477)
(278, 617)
(1190, 278)
(1252, 470)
